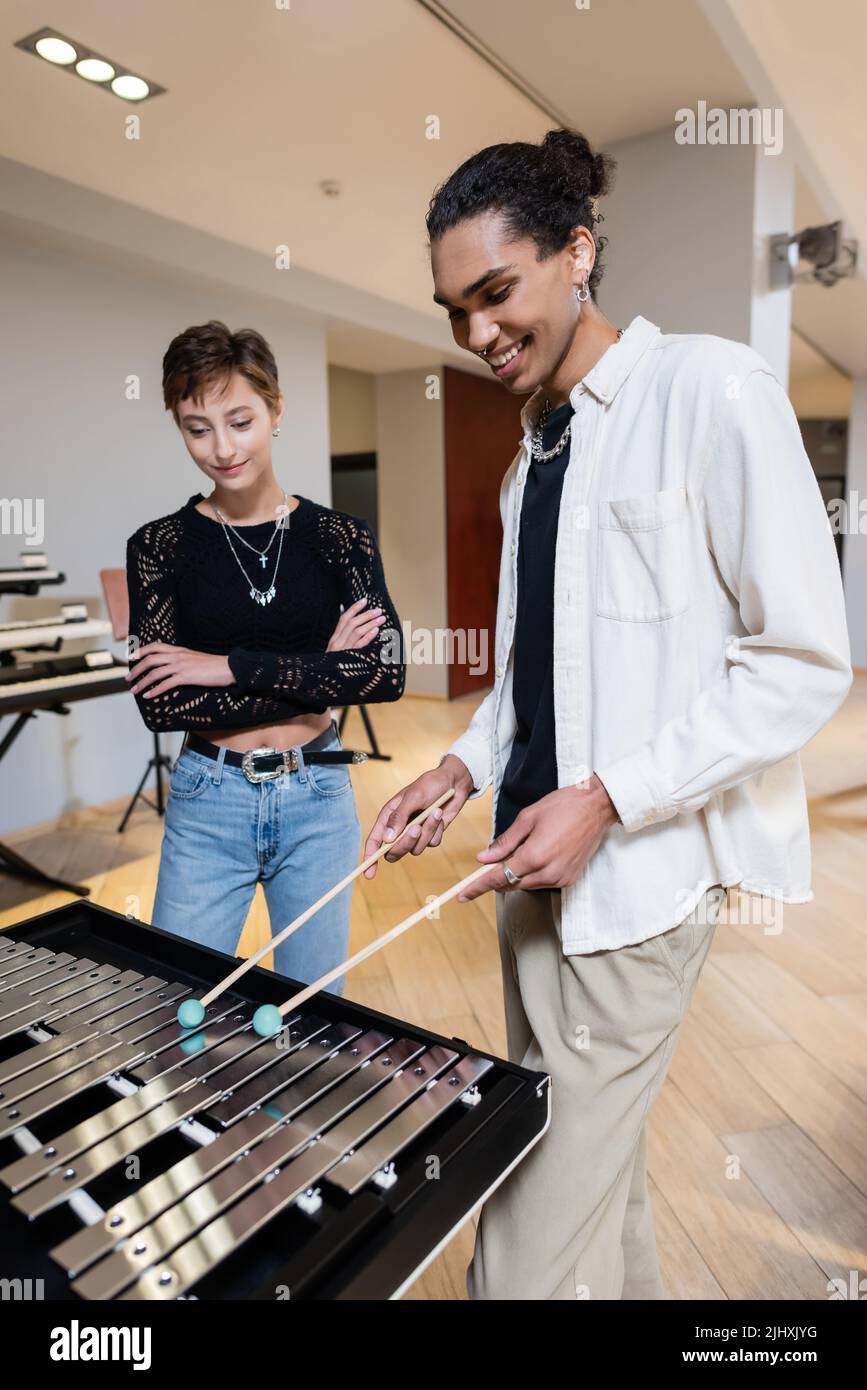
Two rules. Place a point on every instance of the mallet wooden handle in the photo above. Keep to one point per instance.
(326, 897)
(377, 945)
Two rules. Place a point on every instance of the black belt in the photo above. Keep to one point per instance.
(261, 764)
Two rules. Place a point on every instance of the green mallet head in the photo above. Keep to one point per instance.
(267, 1020)
(191, 1013)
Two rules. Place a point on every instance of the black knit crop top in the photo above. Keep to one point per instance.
(186, 588)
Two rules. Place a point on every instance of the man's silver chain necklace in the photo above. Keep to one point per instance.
(543, 455)
(536, 451)
(261, 596)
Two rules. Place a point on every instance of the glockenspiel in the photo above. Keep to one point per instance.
(142, 1161)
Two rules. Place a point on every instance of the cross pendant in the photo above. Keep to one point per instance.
(262, 561)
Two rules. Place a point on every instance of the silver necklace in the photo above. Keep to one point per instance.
(261, 596)
(536, 451)
(261, 553)
(543, 455)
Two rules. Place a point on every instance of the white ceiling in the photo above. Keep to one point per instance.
(264, 103)
(614, 70)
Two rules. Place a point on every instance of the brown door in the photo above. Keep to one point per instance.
(482, 436)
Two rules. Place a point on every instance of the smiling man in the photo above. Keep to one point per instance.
(670, 632)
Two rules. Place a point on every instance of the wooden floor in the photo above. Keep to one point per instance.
(758, 1142)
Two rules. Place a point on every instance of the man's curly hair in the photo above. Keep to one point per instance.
(542, 191)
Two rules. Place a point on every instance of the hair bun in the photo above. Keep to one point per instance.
(573, 152)
(570, 144)
(599, 176)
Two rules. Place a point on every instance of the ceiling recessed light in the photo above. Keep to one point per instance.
(95, 70)
(92, 67)
(56, 50)
(130, 88)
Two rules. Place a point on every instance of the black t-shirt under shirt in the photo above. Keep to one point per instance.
(531, 771)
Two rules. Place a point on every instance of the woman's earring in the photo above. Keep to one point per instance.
(276, 432)
(582, 298)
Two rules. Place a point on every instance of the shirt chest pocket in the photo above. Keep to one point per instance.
(641, 562)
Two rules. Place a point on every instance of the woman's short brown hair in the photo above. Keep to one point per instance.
(208, 354)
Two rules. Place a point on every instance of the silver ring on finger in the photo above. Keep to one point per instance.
(513, 879)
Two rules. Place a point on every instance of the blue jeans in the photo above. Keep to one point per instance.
(298, 835)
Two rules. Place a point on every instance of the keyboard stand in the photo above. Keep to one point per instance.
(157, 763)
(365, 717)
(13, 862)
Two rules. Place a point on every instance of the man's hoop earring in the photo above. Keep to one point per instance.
(582, 298)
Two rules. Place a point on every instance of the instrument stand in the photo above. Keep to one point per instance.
(374, 746)
(13, 862)
(156, 764)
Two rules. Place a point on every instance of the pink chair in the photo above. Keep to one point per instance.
(116, 594)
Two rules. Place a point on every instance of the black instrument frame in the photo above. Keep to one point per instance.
(370, 1246)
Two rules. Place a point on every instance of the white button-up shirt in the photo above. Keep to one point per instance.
(699, 631)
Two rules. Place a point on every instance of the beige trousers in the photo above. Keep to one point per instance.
(574, 1220)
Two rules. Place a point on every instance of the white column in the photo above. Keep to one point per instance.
(855, 539)
(689, 229)
(773, 212)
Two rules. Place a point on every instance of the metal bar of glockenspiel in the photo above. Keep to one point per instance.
(35, 1056)
(128, 1007)
(30, 967)
(101, 1143)
(226, 1039)
(377, 1094)
(150, 993)
(10, 951)
(315, 1075)
(55, 1187)
(70, 1061)
(12, 1117)
(45, 1158)
(63, 1014)
(227, 1232)
(101, 1126)
(163, 1032)
(54, 986)
(55, 1068)
(283, 1073)
(119, 1058)
(106, 988)
(265, 1056)
(85, 1208)
(106, 985)
(357, 1169)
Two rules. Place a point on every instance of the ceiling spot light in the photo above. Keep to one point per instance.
(92, 67)
(95, 70)
(130, 88)
(55, 50)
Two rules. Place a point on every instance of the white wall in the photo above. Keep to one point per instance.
(412, 510)
(74, 330)
(855, 543)
(352, 411)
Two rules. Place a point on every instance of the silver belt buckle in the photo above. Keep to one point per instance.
(290, 764)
